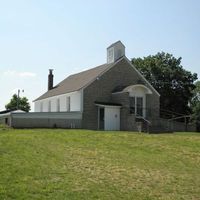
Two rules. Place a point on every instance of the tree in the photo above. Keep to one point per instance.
(167, 76)
(195, 104)
(22, 103)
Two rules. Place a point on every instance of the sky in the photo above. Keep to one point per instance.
(71, 36)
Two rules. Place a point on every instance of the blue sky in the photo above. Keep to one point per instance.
(70, 36)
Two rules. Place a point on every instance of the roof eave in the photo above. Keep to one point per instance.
(38, 99)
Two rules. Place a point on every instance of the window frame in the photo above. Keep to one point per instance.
(68, 102)
(134, 109)
(58, 105)
(49, 106)
(41, 106)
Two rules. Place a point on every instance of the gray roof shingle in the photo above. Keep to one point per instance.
(75, 82)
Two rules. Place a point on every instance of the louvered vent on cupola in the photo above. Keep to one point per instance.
(115, 51)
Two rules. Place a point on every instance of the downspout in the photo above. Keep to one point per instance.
(82, 93)
(98, 128)
(10, 123)
(82, 100)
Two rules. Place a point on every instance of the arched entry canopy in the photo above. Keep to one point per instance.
(138, 88)
(137, 98)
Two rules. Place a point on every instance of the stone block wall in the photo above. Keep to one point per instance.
(122, 74)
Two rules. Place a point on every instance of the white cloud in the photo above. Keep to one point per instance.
(27, 74)
(13, 73)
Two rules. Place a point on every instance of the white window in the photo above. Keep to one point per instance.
(49, 106)
(137, 106)
(41, 106)
(58, 105)
(68, 104)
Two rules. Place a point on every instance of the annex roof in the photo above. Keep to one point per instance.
(75, 82)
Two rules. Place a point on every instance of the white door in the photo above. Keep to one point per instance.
(112, 118)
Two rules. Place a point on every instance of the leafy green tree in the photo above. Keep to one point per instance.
(168, 77)
(18, 103)
(195, 104)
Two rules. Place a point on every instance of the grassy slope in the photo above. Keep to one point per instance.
(77, 164)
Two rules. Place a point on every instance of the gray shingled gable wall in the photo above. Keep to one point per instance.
(122, 73)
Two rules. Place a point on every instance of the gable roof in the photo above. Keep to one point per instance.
(115, 44)
(75, 82)
(80, 80)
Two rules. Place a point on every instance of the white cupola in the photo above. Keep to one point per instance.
(115, 51)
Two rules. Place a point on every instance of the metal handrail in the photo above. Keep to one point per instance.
(141, 117)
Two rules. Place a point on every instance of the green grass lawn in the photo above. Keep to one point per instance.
(82, 164)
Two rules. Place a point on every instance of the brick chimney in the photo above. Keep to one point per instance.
(50, 79)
